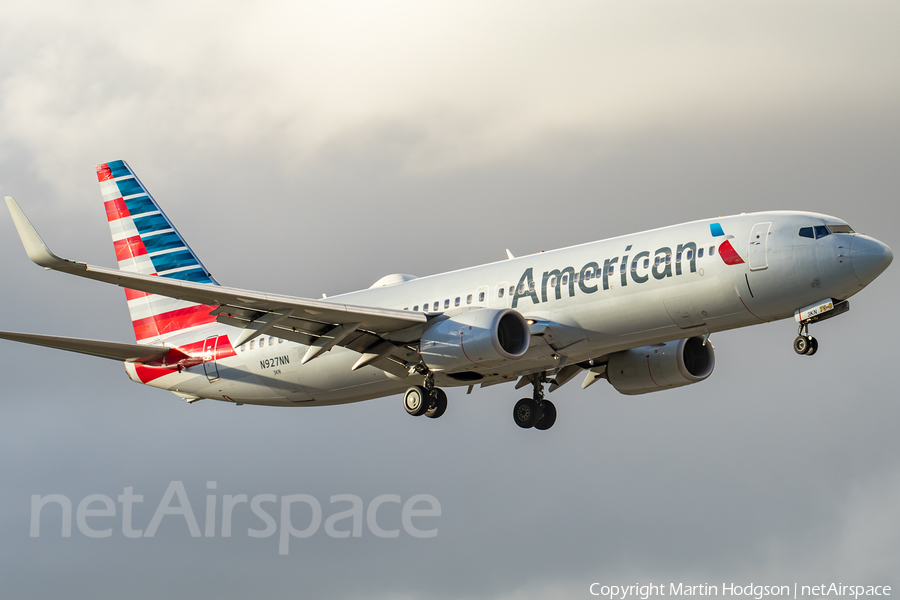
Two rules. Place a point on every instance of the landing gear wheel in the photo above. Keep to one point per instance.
(526, 413)
(438, 404)
(813, 346)
(802, 344)
(548, 416)
(415, 400)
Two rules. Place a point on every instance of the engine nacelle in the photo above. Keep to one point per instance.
(661, 367)
(475, 338)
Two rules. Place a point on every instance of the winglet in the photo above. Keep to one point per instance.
(509, 254)
(35, 247)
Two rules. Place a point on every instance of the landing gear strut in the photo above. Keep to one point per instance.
(425, 399)
(805, 343)
(535, 411)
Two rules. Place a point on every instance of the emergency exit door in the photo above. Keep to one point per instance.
(758, 243)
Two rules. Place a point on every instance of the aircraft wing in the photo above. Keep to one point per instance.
(113, 350)
(257, 312)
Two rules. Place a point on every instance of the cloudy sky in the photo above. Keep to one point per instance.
(309, 148)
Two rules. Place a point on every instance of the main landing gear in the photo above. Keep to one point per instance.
(535, 411)
(425, 399)
(805, 343)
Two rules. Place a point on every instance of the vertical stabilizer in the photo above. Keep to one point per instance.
(146, 242)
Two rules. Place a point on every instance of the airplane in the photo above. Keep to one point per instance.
(636, 310)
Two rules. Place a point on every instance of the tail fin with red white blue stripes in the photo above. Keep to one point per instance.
(146, 242)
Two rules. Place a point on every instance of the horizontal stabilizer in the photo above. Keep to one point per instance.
(112, 350)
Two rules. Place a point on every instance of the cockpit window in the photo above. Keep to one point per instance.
(807, 232)
(840, 229)
(821, 231)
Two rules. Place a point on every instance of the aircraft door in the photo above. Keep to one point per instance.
(758, 242)
(209, 358)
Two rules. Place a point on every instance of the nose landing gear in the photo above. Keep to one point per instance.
(535, 411)
(825, 309)
(805, 343)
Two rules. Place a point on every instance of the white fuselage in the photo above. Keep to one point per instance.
(586, 301)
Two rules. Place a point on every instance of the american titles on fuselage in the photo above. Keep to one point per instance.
(591, 276)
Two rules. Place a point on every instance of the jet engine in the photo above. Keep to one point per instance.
(661, 367)
(475, 338)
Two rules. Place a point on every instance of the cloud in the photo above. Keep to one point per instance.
(450, 86)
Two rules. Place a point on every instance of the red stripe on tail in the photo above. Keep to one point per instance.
(103, 172)
(172, 321)
(134, 294)
(116, 209)
(129, 248)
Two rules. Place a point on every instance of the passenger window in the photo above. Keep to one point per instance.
(437, 305)
(668, 259)
(553, 282)
(690, 254)
(243, 347)
(678, 257)
(280, 341)
(272, 341)
(531, 285)
(612, 270)
(622, 268)
(416, 308)
(634, 265)
(712, 250)
(512, 289)
(252, 344)
(521, 288)
(481, 296)
(500, 292)
(646, 263)
(565, 279)
(807, 232)
(469, 299)
(656, 261)
(262, 342)
(700, 253)
(821, 231)
(446, 303)
(589, 274)
(575, 279)
(456, 302)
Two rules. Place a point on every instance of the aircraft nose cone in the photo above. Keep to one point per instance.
(869, 258)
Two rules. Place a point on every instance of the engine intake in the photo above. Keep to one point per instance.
(661, 367)
(479, 338)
